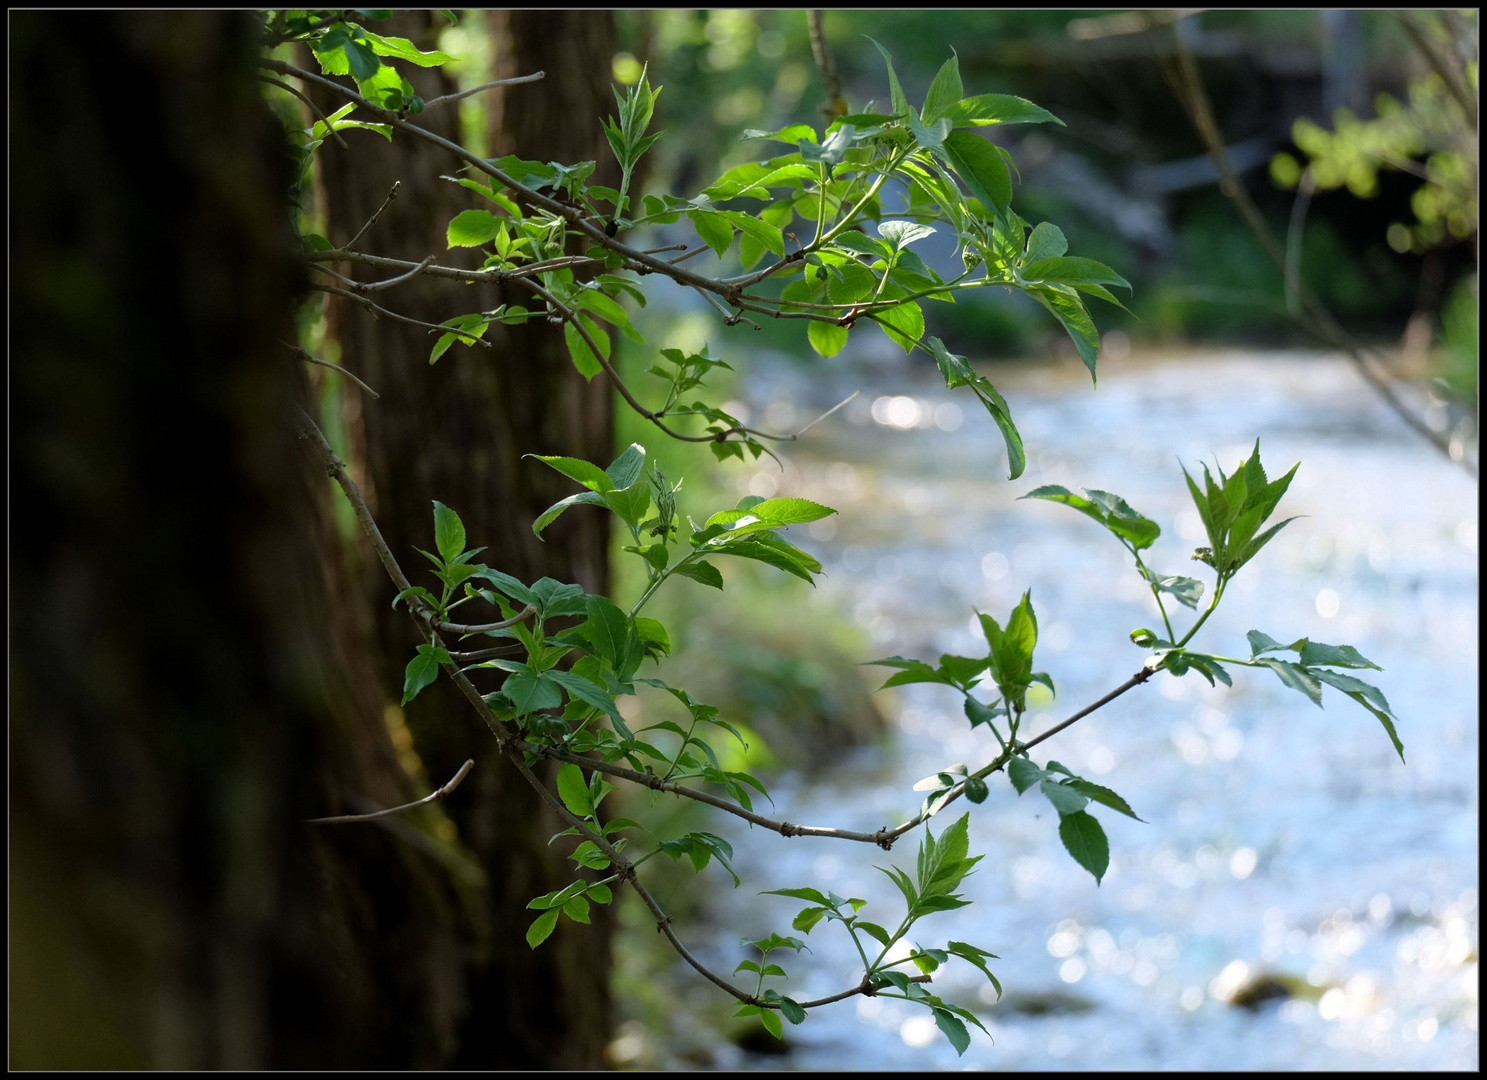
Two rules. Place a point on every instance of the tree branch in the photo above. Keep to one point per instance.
(534, 77)
(305, 356)
(435, 796)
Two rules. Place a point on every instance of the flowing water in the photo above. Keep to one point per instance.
(1285, 842)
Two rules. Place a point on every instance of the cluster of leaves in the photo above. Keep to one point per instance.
(941, 866)
(1234, 510)
(564, 657)
(831, 181)
(343, 46)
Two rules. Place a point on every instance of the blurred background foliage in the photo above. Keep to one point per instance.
(1390, 232)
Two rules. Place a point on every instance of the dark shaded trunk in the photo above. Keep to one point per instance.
(456, 432)
(190, 678)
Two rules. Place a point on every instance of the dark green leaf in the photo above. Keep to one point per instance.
(1086, 842)
(422, 670)
(1315, 652)
(1065, 799)
(954, 1030)
(1102, 795)
(704, 572)
(1369, 697)
(1296, 677)
(1023, 774)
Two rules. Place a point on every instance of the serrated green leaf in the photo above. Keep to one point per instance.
(1085, 840)
(1046, 241)
(1102, 795)
(977, 162)
(541, 927)
(954, 1030)
(1023, 774)
(1295, 677)
(999, 109)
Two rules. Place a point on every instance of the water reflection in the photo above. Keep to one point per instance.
(1301, 899)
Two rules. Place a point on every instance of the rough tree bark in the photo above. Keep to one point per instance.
(189, 676)
(456, 432)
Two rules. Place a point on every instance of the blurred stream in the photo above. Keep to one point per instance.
(1284, 841)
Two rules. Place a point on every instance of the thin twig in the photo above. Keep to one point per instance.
(305, 356)
(460, 628)
(486, 654)
(1293, 240)
(568, 213)
(313, 107)
(827, 413)
(392, 193)
(372, 286)
(378, 309)
(1182, 76)
(485, 86)
(435, 796)
(698, 250)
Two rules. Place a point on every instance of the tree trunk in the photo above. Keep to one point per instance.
(190, 679)
(457, 432)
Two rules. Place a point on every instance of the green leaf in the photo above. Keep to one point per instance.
(904, 324)
(530, 692)
(789, 511)
(771, 1021)
(1102, 795)
(1263, 643)
(900, 104)
(449, 532)
(826, 338)
(999, 109)
(699, 570)
(791, 1010)
(1065, 799)
(610, 630)
(471, 228)
(976, 956)
(1086, 842)
(981, 167)
(586, 473)
(1296, 677)
(790, 135)
(584, 358)
(1187, 591)
(1045, 242)
(944, 92)
(573, 789)
(422, 670)
(714, 229)
(1369, 697)
(403, 49)
(553, 512)
(538, 932)
(903, 233)
(1069, 270)
(815, 896)
(976, 789)
(1315, 652)
(760, 232)
(954, 1030)
(1111, 511)
(1070, 312)
(1023, 774)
